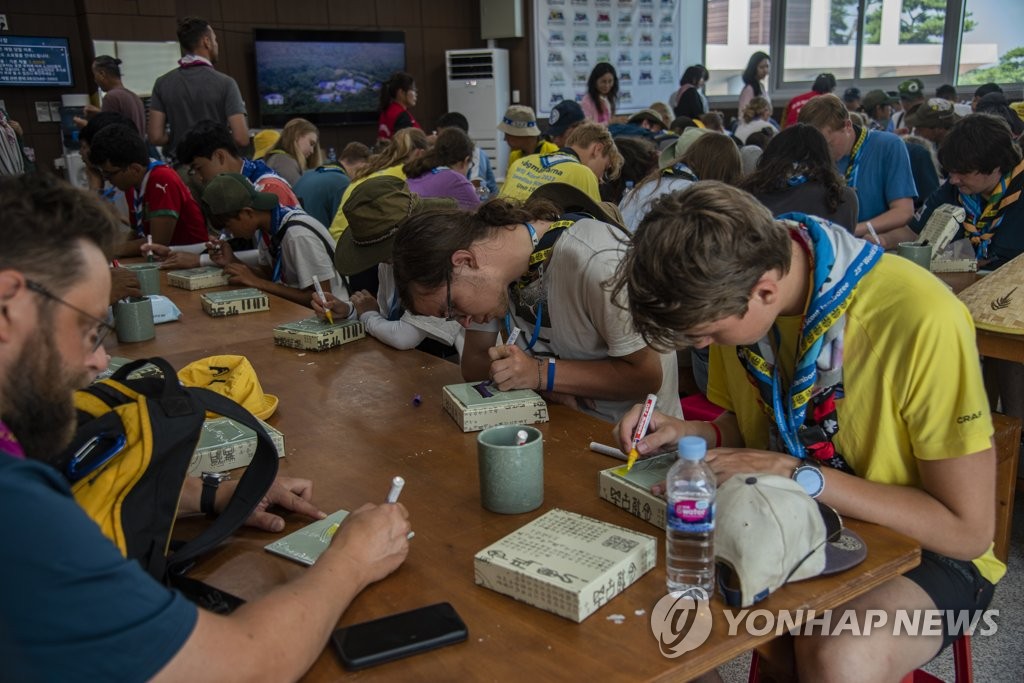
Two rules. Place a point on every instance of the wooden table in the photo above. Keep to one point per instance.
(350, 424)
(202, 334)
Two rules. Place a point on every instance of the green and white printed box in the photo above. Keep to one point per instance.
(473, 411)
(198, 278)
(566, 563)
(631, 491)
(314, 334)
(226, 444)
(235, 302)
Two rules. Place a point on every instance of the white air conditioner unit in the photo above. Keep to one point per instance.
(478, 88)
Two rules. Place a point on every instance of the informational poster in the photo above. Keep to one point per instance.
(35, 61)
(640, 38)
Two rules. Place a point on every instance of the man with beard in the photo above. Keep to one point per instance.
(71, 607)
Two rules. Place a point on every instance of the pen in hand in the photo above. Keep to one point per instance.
(320, 293)
(396, 490)
(641, 429)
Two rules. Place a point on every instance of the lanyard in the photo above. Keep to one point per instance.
(536, 326)
(851, 166)
(137, 200)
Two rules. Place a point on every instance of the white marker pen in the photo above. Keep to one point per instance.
(396, 489)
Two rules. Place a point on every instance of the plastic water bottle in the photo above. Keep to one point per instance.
(690, 520)
(331, 154)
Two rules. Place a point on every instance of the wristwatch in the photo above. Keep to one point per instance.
(211, 481)
(809, 476)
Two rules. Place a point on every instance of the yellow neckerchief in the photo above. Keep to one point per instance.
(981, 223)
(850, 166)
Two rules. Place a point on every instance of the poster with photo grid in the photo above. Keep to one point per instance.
(640, 38)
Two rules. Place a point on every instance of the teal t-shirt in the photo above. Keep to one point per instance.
(71, 607)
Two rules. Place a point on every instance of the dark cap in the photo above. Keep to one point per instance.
(229, 193)
(565, 114)
(911, 89)
(875, 98)
(374, 209)
(851, 94)
(935, 113)
(648, 115)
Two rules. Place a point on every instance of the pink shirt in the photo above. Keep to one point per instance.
(591, 112)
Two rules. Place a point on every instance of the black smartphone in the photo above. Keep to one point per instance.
(399, 635)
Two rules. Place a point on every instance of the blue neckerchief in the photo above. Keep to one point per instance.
(824, 309)
(395, 310)
(276, 217)
(254, 169)
(796, 180)
(137, 200)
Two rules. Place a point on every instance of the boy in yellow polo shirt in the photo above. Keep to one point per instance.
(834, 361)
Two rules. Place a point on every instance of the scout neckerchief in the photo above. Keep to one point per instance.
(190, 61)
(851, 166)
(983, 220)
(838, 262)
(529, 293)
(137, 200)
(9, 444)
(680, 170)
(277, 217)
(255, 170)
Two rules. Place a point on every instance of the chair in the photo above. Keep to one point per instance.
(1007, 441)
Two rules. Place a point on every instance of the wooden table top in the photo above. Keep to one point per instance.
(350, 424)
(202, 334)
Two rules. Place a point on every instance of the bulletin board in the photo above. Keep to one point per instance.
(640, 38)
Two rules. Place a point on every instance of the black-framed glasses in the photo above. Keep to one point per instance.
(97, 333)
(109, 175)
(449, 310)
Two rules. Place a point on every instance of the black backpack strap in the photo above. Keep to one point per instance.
(295, 218)
(251, 488)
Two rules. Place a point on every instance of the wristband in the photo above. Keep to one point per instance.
(718, 434)
(551, 374)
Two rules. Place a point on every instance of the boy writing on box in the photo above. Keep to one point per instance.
(293, 246)
(828, 355)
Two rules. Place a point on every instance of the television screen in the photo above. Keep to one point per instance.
(34, 61)
(327, 77)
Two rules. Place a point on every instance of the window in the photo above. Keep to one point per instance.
(993, 47)
(743, 27)
(861, 41)
(717, 22)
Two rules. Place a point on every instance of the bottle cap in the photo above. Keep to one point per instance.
(692, 448)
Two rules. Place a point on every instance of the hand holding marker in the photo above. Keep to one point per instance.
(330, 317)
(396, 490)
(641, 429)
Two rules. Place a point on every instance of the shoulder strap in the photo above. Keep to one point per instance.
(295, 218)
(253, 485)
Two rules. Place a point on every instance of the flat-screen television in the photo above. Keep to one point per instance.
(35, 61)
(327, 77)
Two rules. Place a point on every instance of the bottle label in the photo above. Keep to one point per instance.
(692, 516)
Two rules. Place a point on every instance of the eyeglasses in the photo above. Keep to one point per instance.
(96, 334)
(109, 175)
(449, 310)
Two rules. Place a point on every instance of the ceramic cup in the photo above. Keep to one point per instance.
(511, 474)
(149, 278)
(921, 254)
(133, 319)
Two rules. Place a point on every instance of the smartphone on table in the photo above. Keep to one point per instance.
(399, 635)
